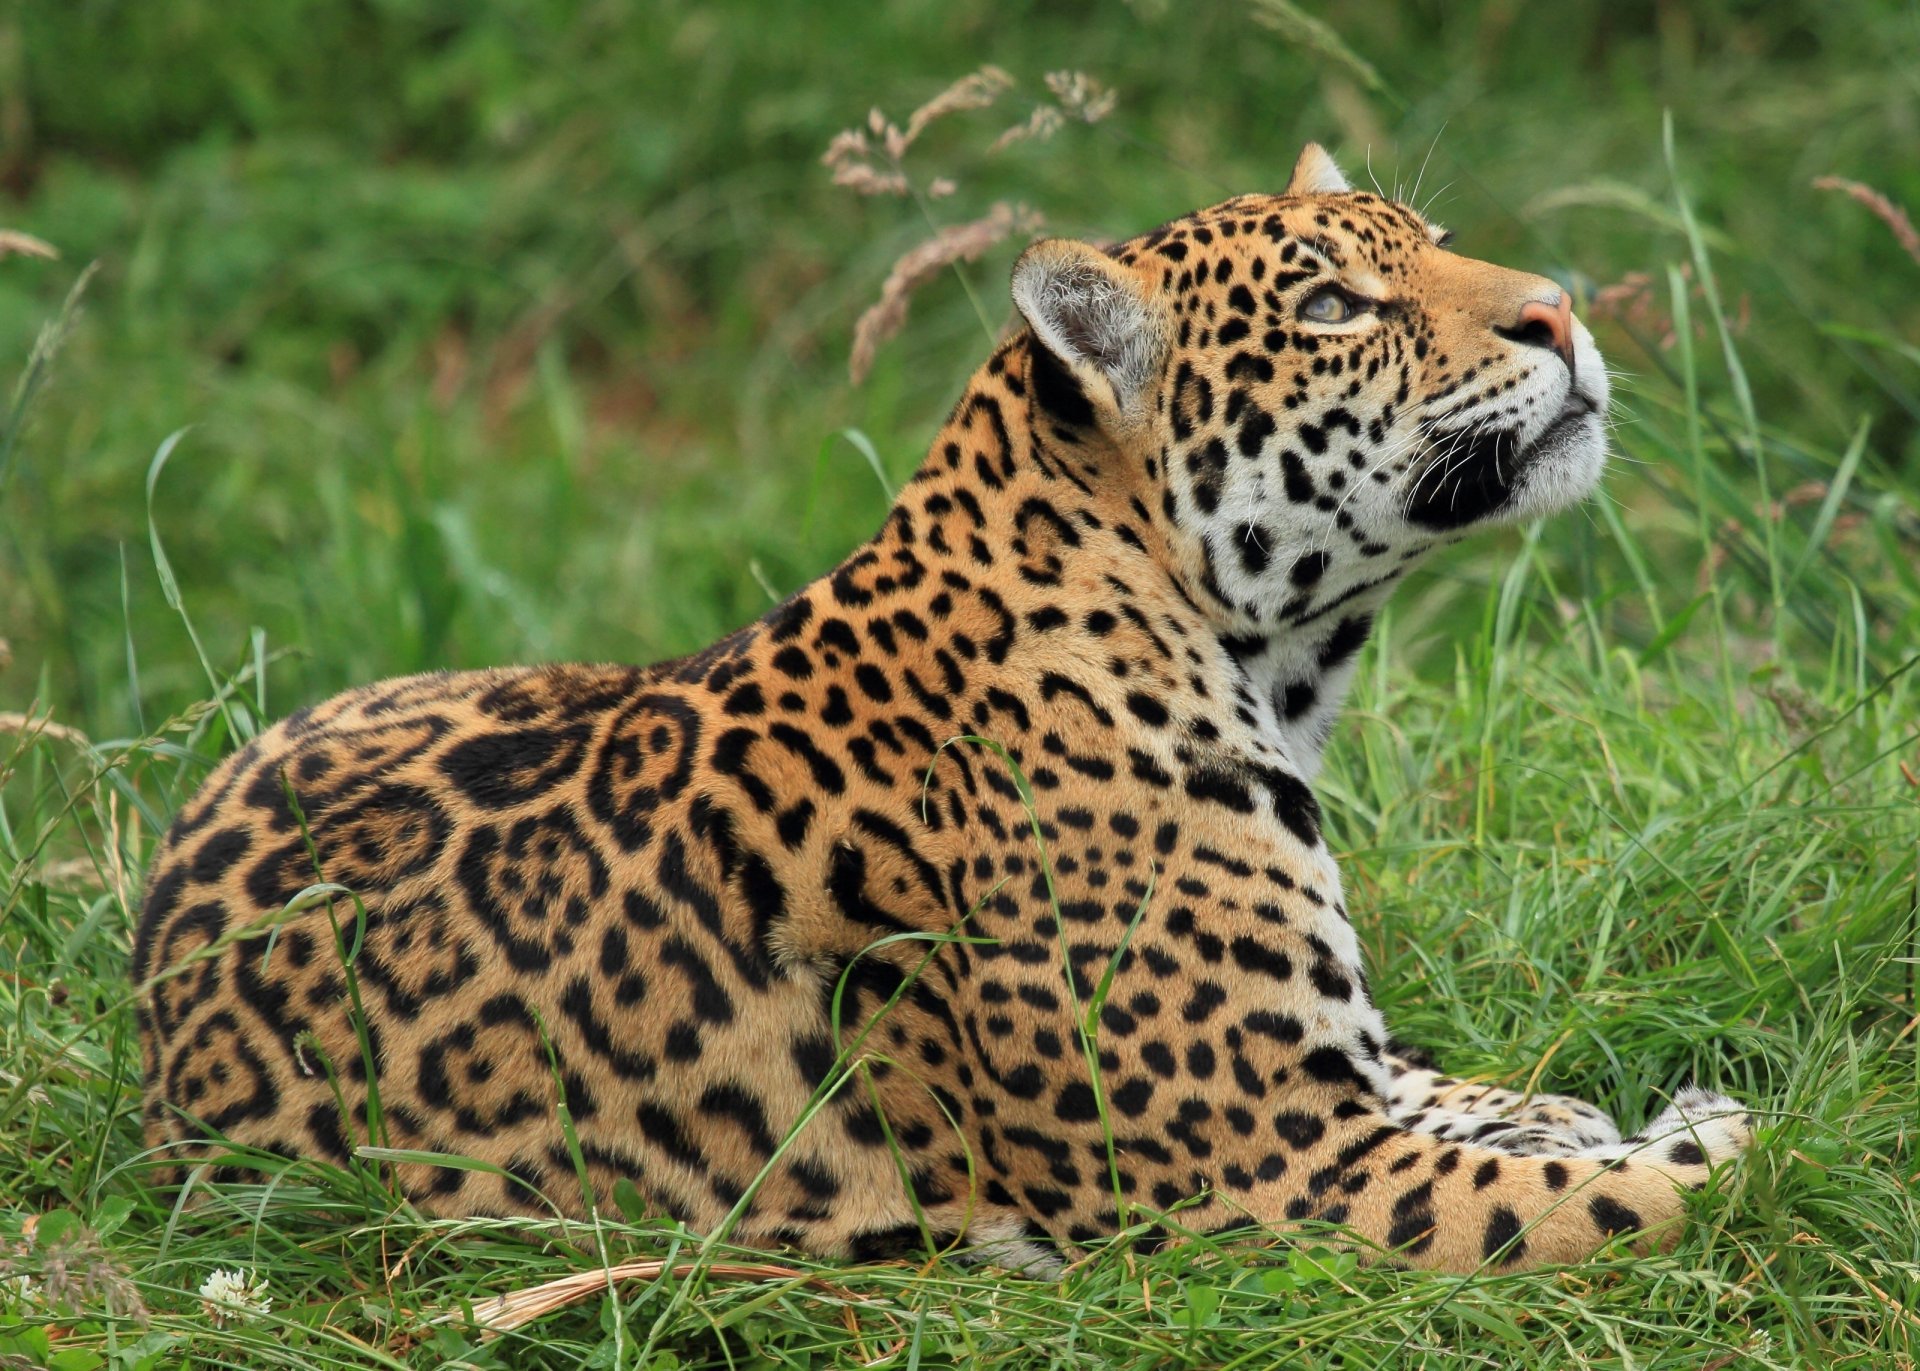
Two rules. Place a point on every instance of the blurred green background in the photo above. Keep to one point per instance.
(519, 330)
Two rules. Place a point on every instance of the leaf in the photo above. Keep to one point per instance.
(1303, 30)
(1318, 1265)
(419, 1157)
(169, 587)
(31, 1342)
(1203, 1306)
(55, 1228)
(1829, 507)
(626, 1196)
(1673, 629)
(1603, 194)
(1854, 334)
(111, 1214)
(864, 445)
(1491, 1321)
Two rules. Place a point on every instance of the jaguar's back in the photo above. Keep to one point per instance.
(688, 900)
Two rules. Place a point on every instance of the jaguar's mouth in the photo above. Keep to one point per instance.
(1473, 474)
(1573, 414)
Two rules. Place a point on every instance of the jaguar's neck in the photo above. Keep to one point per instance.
(1298, 674)
(1021, 492)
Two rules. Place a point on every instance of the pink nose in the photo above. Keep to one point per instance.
(1548, 325)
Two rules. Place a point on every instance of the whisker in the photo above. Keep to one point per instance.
(1415, 195)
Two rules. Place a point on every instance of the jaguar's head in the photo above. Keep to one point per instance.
(1316, 387)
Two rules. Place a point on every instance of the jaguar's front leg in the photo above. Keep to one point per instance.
(1424, 1100)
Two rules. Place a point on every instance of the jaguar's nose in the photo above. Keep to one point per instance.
(1546, 325)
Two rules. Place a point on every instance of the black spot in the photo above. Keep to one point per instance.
(1330, 982)
(1252, 541)
(1208, 467)
(1133, 1097)
(787, 620)
(1256, 426)
(1612, 1217)
(1299, 1130)
(1056, 390)
(1297, 699)
(1332, 1065)
(506, 768)
(1250, 955)
(1206, 998)
(1503, 1227)
(864, 1126)
(1308, 569)
(891, 1244)
(793, 661)
(733, 1101)
(1346, 641)
(219, 852)
(664, 1131)
(1147, 709)
(710, 1001)
(1284, 1028)
(1299, 485)
(1219, 787)
(1412, 1230)
(1076, 1104)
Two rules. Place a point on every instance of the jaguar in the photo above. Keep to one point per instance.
(977, 896)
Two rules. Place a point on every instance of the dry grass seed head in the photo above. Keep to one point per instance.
(73, 1274)
(976, 90)
(867, 161)
(1880, 207)
(960, 243)
(1081, 96)
(1042, 124)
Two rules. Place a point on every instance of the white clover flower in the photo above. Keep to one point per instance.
(18, 1292)
(234, 1297)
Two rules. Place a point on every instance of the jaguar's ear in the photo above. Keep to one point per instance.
(1316, 174)
(1101, 320)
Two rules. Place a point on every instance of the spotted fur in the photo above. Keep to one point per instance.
(1142, 555)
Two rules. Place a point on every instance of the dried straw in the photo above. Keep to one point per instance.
(15, 243)
(516, 1308)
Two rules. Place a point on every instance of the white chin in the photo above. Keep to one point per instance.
(1562, 473)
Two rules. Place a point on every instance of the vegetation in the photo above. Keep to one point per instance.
(520, 330)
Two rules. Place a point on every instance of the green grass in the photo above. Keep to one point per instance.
(521, 333)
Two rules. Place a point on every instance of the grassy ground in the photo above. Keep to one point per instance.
(519, 331)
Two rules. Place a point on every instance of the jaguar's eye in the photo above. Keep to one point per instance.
(1327, 306)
